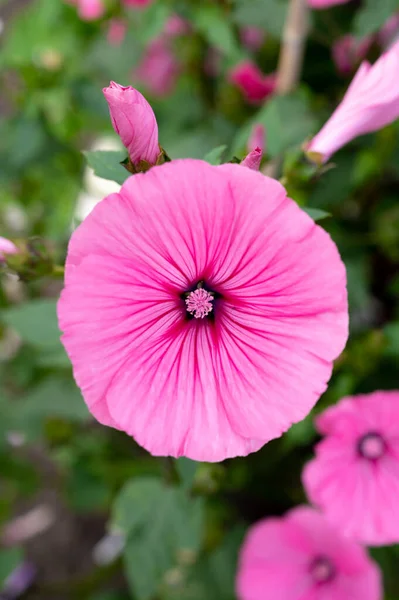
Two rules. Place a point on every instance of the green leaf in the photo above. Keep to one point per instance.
(391, 334)
(161, 524)
(211, 21)
(214, 157)
(106, 164)
(266, 14)
(36, 322)
(9, 560)
(316, 213)
(372, 15)
(186, 469)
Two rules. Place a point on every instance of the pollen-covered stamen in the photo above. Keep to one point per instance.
(322, 569)
(371, 446)
(199, 303)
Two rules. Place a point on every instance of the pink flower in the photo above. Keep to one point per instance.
(116, 32)
(370, 103)
(325, 3)
(159, 69)
(137, 3)
(348, 52)
(176, 26)
(252, 37)
(7, 247)
(89, 10)
(134, 121)
(257, 139)
(206, 375)
(253, 159)
(255, 86)
(354, 478)
(302, 557)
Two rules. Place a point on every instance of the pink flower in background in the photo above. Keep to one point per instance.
(137, 3)
(89, 10)
(253, 159)
(354, 478)
(252, 37)
(370, 103)
(348, 52)
(7, 247)
(159, 68)
(326, 3)
(254, 85)
(302, 557)
(176, 26)
(134, 121)
(257, 139)
(211, 375)
(116, 32)
(389, 33)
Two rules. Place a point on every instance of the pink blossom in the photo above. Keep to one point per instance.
(302, 557)
(370, 103)
(325, 3)
(159, 68)
(254, 85)
(252, 37)
(7, 247)
(89, 10)
(348, 52)
(116, 32)
(354, 478)
(257, 139)
(134, 121)
(176, 26)
(204, 386)
(137, 3)
(389, 32)
(253, 159)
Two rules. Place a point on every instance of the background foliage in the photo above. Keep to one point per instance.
(182, 523)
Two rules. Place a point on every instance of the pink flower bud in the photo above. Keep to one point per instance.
(254, 85)
(176, 26)
(89, 10)
(134, 121)
(252, 37)
(159, 68)
(116, 32)
(348, 52)
(325, 3)
(257, 139)
(7, 247)
(253, 159)
(370, 103)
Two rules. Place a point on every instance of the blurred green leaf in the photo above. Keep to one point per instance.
(212, 21)
(266, 14)
(9, 560)
(316, 213)
(391, 334)
(214, 157)
(186, 469)
(36, 322)
(372, 16)
(106, 164)
(161, 523)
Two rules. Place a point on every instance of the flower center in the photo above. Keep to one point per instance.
(322, 569)
(371, 446)
(199, 303)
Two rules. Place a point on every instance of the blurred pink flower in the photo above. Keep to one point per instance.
(348, 52)
(7, 247)
(116, 32)
(211, 375)
(389, 32)
(159, 67)
(354, 478)
(89, 10)
(326, 3)
(253, 159)
(176, 26)
(137, 3)
(254, 85)
(302, 557)
(370, 103)
(252, 37)
(257, 139)
(134, 121)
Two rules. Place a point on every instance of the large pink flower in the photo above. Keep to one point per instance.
(302, 557)
(371, 102)
(354, 478)
(254, 85)
(202, 310)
